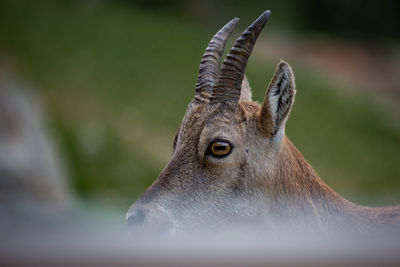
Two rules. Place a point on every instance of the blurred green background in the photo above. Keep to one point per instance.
(116, 77)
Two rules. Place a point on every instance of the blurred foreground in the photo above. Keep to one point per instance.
(104, 245)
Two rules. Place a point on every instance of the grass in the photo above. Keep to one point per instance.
(116, 81)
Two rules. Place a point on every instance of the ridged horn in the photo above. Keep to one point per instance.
(227, 87)
(209, 64)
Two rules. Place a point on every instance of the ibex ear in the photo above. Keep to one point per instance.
(245, 92)
(278, 100)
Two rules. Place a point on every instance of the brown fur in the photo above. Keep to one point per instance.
(278, 183)
(264, 179)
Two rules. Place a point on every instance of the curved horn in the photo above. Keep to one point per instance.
(227, 87)
(209, 64)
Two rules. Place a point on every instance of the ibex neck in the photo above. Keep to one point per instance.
(298, 191)
(299, 194)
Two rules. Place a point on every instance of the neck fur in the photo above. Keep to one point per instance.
(298, 193)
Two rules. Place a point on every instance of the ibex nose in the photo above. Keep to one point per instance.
(148, 220)
(136, 218)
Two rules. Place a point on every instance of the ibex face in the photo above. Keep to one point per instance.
(227, 146)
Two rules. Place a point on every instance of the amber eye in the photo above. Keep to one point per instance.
(220, 148)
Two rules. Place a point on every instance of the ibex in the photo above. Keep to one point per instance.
(232, 162)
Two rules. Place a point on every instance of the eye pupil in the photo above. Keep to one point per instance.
(220, 148)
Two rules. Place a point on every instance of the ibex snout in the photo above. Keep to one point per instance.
(136, 218)
(146, 219)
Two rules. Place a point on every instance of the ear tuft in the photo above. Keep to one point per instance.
(279, 98)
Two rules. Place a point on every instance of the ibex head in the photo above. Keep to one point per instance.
(227, 149)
